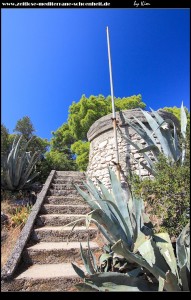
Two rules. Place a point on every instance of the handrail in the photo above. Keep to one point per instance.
(14, 258)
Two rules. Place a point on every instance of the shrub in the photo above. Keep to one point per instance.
(167, 195)
(20, 216)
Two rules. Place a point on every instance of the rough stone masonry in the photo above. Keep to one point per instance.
(102, 148)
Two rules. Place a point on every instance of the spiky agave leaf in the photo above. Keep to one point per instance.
(171, 141)
(183, 122)
(87, 261)
(19, 165)
(164, 245)
(114, 281)
(138, 147)
(152, 252)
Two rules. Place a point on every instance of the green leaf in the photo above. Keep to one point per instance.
(121, 220)
(141, 238)
(147, 252)
(97, 196)
(114, 281)
(183, 121)
(147, 131)
(84, 287)
(171, 283)
(138, 147)
(185, 277)
(105, 233)
(183, 130)
(135, 272)
(120, 201)
(151, 170)
(78, 271)
(173, 144)
(154, 126)
(104, 257)
(106, 194)
(180, 247)
(161, 284)
(138, 209)
(92, 257)
(148, 148)
(87, 198)
(164, 245)
(104, 261)
(144, 132)
(116, 232)
(86, 261)
(120, 248)
(112, 287)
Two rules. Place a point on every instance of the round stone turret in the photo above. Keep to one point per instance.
(102, 147)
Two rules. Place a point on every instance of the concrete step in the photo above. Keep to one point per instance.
(73, 174)
(63, 234)
(67, 186)
(64, 209)
(68, 179)
(61, 200)
(51, 253)
(59, 219)
(48, 278)
(53, 192)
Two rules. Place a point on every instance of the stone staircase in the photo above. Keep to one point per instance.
(46, 259)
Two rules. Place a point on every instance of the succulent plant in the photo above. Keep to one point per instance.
(168, 143)
(18, 168)
(122, 221)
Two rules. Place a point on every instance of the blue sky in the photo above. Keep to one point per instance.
(50, 57)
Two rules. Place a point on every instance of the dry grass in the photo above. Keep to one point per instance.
(5, 207)
(9, 243)
(9, 233)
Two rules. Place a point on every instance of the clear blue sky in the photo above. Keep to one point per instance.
(50, 57)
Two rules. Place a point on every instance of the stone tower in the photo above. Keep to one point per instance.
(102, 148)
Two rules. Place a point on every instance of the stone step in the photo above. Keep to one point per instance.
(64, 209)
(48, 278)
(53, 192)
(61, 200)
(70, 180)
(73, 174)
(63, 252)
(67, 186)
(63, 234)
(59, 219)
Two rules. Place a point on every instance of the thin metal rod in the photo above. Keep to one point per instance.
(113, 106)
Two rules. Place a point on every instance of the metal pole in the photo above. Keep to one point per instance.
(113, 107)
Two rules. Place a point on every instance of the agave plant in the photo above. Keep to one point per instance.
(168, 143)
(128, 229)
(18, 167)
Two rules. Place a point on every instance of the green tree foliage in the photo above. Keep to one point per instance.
(59, 161)
(82, 151)
(25, 127)
(60, 156)
(176, 111)
(85, 112)
(81, 116)
(4, 139)
(168, 194)
(62, 139)
(39, 144)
